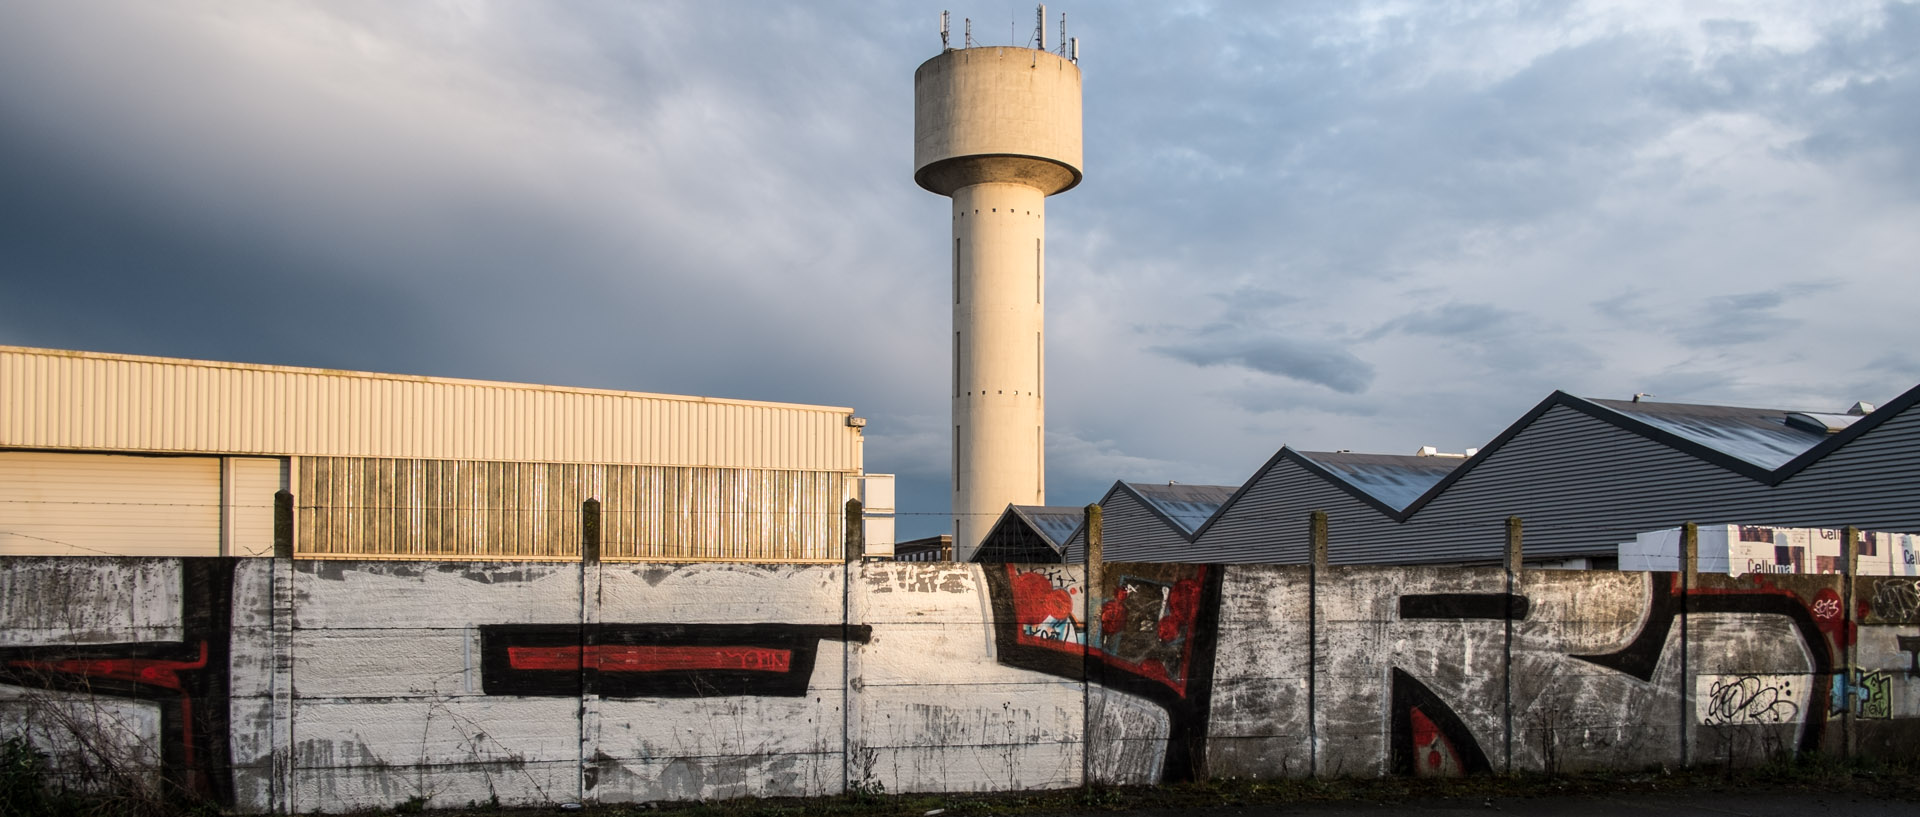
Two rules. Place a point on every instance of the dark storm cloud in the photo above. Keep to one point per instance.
(1748, 317)
(1307, 360)
(344, 227)
(1465, 321)
(1275, 398)
(1625, 307)
(1510, 344)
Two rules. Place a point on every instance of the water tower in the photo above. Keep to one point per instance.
(997, 129)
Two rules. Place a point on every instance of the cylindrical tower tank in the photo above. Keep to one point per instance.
(997, 130)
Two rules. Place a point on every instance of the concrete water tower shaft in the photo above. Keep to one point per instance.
(997, 129)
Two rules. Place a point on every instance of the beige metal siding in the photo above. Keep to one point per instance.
(422, 509)
(90, 401)
(250, 483)
(58, 504)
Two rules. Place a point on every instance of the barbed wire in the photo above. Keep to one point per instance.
(1530, 524)
(60, 543)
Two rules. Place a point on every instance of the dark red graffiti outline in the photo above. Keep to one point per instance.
(194, 746)
(655, 660)
(156, 672)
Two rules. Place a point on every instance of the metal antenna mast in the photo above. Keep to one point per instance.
(943, 32)
(1040, 28)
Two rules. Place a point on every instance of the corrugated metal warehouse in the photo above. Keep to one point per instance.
(128, 455)
(1583, 475)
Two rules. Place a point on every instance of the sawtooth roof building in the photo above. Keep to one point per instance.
(1583, 475)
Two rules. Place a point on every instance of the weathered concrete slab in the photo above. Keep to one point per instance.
(367, 684)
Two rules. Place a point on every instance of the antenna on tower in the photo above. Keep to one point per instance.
(1063, 34)
(1040, 28)
(1073, 50)
(943, 32)
(969, 22)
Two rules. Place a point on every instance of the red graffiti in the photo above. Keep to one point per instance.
(1183, 603)
(1166, 660)
(1828, 615)
(1035, 600)
(1432, 749)
(1113, 614)
(650, 658)
(149, 671)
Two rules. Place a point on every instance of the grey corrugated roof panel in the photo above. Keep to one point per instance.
(1055, 522)
(1754, 435)
(1394, 479)
(1186, 506)
(1640, 423)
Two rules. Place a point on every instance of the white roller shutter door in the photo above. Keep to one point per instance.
(60, 504)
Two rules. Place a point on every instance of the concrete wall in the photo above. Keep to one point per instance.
(296, 686)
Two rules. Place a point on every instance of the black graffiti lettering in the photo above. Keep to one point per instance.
(1749, 699)
(1896, 600)
(1451, 606)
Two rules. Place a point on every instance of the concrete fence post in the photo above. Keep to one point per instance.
(280, 683)
(590, 531)
(856, 547)
(1092, 566)
(1316, 565)
(1849, 569)
(590, 546)
(853, 775)
(1513, 566)
(283, 525)
(1689, 576)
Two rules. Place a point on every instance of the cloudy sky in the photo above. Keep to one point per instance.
(1360, 225)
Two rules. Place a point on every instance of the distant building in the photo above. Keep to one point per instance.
(931, 549)
(127, 455)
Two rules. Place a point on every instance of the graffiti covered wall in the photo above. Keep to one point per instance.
(294, 686)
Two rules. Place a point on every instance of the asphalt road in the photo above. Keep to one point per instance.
(1691, 804)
